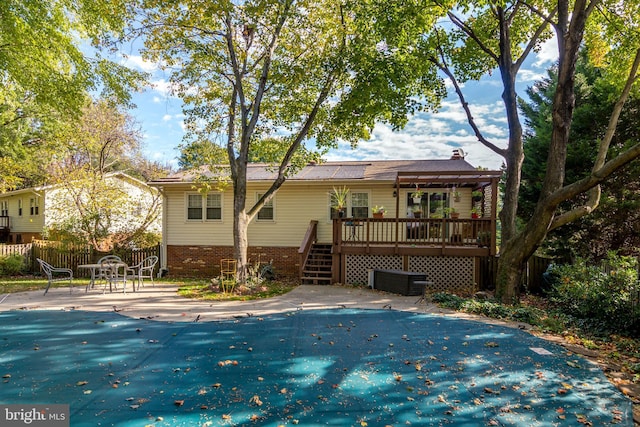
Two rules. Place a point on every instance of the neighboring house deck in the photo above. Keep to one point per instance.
(305, 238)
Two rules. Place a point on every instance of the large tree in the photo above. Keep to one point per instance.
(483, 36)
(262, 77)
(45, 75)
(615, 224)
(90, 205)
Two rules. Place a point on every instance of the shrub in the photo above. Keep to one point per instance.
(451, 301)
(601, 300)
(12, 265)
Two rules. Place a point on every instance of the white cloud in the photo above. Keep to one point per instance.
(136, 61)
(163, 87)
(548, 53)
(530, 75)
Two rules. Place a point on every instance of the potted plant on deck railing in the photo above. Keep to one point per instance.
(339, 200)
(379, 211)
(475, 212)
(452, 212)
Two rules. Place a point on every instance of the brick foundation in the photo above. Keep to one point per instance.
(204, 261)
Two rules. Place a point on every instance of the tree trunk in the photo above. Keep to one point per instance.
(241, 243)
(509, 276)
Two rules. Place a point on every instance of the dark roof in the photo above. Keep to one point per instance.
(375, 170)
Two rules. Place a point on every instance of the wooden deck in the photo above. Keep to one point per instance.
(412, 236)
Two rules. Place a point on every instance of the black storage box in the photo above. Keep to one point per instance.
(399, 282)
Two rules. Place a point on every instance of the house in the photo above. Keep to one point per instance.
(304, 237)
(25, 214)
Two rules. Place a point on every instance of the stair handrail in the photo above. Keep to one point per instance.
(309, 239)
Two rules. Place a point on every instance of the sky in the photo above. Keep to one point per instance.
(426, 135)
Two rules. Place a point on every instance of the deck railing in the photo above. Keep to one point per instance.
(414, 232)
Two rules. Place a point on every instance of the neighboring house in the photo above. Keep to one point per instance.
(26, 213)
(298, 225)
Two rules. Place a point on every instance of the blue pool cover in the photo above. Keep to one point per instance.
(338, 367)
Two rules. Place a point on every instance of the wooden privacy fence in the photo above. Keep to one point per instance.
(24, 250)
(68, 256)
(531, 279)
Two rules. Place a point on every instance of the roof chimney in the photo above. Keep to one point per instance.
(458, 154)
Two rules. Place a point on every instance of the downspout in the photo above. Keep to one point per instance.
(163, 244)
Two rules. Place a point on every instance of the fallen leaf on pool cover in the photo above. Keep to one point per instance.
(81, 383)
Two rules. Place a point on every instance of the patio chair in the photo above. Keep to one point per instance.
(228, 278)
(143, 270)
(55, 274)
(105, 260)
(110, 272)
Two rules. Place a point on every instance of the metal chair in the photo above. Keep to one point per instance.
(55, 274)
(228, 274)
(106, 259)
(109, 271)
(143, 270)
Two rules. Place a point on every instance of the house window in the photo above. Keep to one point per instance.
(194, 206)
(4, 208)
(266, 212)
(359, 205)
(34, 206)
(431, 205)
(208, 207)
(19, 207)
(214, 206)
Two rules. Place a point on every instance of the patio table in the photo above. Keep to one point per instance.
(96, 267)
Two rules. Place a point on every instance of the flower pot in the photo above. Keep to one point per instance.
(455, 215)
(417, 200)
(378, 215)
(475, 215)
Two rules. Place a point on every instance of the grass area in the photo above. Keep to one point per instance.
(188, 288)
(209, 292)
(10, 285)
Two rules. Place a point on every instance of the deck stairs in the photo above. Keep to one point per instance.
(317, 269)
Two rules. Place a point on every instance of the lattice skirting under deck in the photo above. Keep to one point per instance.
(448, 273)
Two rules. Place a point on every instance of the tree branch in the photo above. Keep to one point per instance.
(257, 103)
(465, 105)
(534, 39)
(469, 32)
(600, 169)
